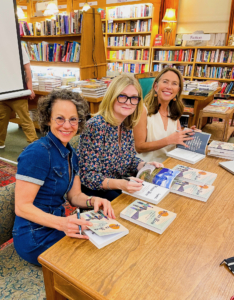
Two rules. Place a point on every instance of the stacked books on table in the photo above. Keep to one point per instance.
(149, 216)
(35, 85)
(48, 83)
(68, 80)
(93, 90)
(221, 149)
(104, 230)
(219, 106)
(196, 150)
(182, 180)
(208, 85)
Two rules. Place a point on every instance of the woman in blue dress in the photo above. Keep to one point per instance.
(47, 172)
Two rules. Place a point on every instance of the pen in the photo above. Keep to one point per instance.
(78, 217)
(129, 179)
(103, 215)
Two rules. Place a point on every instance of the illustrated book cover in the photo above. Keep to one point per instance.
(104, 230)
(196, 150)
(149, 216)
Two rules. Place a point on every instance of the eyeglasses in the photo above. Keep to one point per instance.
(134, 100)
(61, 120)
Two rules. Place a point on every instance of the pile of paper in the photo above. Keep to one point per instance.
(48, 83)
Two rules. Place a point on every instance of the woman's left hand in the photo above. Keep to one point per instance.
(105, 205)
(154, 163)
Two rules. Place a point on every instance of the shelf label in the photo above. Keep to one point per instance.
(89, 3)
(119, 1)
(196, 37)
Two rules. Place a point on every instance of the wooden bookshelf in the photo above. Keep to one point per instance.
(195, 62)
(92, 55)
(129, 33)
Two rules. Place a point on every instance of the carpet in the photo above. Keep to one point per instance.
(7, 173)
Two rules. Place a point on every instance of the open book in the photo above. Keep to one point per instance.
(196, 150)
(192, 183)
(104, 230)
(149, 216)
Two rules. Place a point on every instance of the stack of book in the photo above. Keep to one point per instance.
(68, 80)
(221, 149)
(48, 83)
(93, 90)
(35, 85)
(208, 85)
(219, 106)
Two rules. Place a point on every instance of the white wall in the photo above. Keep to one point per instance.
(210, 16)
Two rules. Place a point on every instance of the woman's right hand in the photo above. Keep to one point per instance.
(178, 137)
(70, 226)
(131, 186)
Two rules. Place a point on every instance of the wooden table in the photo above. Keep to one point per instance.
(182, 263)
(218, 131)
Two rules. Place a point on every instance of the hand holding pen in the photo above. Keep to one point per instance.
(131, 184)
(180, 137)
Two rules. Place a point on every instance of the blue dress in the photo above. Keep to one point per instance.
(45, 163)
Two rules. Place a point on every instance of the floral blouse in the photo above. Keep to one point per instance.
(100, 156)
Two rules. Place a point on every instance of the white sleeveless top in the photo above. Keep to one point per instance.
(155, 132)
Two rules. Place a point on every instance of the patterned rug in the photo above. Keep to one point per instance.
(7, 173)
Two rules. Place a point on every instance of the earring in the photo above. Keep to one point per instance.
(174, 99)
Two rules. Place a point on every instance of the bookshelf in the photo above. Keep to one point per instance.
(128, 38)
(203, 64)
(92, 61)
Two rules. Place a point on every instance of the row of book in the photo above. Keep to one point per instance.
(227, 88)
(130, 26)
(185, 70)
(69, 52)
(123, 40)
(63, 24)
(142, 54)
(127, 68)
(214, 72)
(220, 56)
(131, 11)
(174, 55)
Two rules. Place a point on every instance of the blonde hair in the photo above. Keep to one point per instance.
(176, 107)
(106, 108)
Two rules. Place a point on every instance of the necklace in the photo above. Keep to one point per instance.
(163, 114)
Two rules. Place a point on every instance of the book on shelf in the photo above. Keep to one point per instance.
(148, 216)
(102, 12)
(228, 165)
(214, 72)
(104, 230)
(219, 106)
(189, 109)
(44, 51)
(130, 11)
(185, 70)
(199, 92)
(179, 181)
(196, 150)
(128, 54)
(221, 150)
(174, 55)
(158, 40)
(134, 68)
(215, 56)
(130, 26)
(127, 41)
(179, 39)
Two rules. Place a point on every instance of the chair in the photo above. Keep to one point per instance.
(146, 81)
(18, 278)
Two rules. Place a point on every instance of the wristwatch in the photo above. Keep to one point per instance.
(88, 202)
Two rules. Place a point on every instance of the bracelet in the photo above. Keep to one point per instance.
(107, 184)
(88, 202)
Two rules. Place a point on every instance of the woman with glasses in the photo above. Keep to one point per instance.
(106, 152)
(159, 130)
(47, 172)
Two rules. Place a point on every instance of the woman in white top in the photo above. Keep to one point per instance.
(159, 130)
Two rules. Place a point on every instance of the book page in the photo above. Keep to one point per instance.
(198, 144)
(159, 176)
(185, 154)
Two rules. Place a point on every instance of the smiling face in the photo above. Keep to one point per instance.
(123, 110)
(167, 87)
(67, 110)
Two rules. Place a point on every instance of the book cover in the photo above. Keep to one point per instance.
(149, 216)
(193, 175)
(222, 147)
(198, 192)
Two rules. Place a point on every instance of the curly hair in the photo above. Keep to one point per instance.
(176, 107)
(45, 105)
